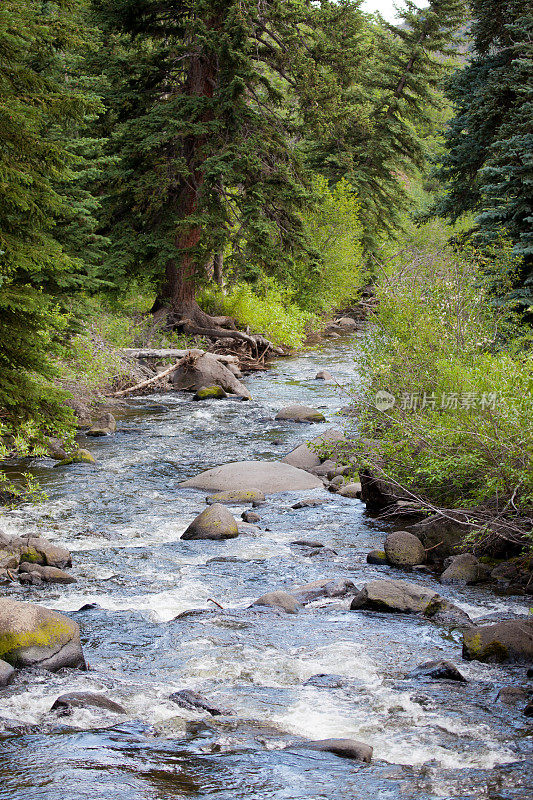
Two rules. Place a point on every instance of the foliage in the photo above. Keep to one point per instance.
(488, 167)
(40, 110)
(460, 431)
(268, 308)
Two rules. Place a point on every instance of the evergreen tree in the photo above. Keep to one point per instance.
(389, 108)
(488, 167)
(39, 259)
(211, 98)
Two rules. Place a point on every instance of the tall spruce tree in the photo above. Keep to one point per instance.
(40, 258)
(488, 166)
(389, 107)
(211, 98)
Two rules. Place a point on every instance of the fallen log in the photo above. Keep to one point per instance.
(145, 352)
(150, 381)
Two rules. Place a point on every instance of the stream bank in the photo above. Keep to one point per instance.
(324, 672)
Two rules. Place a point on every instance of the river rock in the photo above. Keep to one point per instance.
(403, 549)
(299, 413)
(324, 375)
(66, 702)
(78, 457)
(6, 673)
(438, 670)
(312, 502)
(267, 476)
(505, 641)
(203, 369)
(283, 600)
(441, 536)
(325, 587)
(324, 680)
(464, 570)
(55, 449)
(351, 490)
(302, 457)
(33, 636)
(346, 748)
(405, 597)
(511, 695)
(236, 497)
(37, 550)
(250, 516)
(215, 522)
(377, 557)
(195, 701)
(325, 467)
(348, 323)
(210, 393)
(46, 574)
(104, 426)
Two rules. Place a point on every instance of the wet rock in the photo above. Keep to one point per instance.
(197, 702)
(66, 702)
(267, 476)
(511, 695)
(346, 748)
(377, 557)
(236, 497)
(464, 570)
(78, 457)
(376, 492)
(299, 413)
(46, 574)
(307, 543)
(348, 323)
(311, 503)
(55, 449)
(324, 375)
(325, 681)
(405, 597)
(403, 549)
(31, 635)
(36, 550)
(325, 587)
(438, 670)
(210, 393)
(204, 369)
(441, 536)
(302, 457)
(337, 482)
(282, 600)
(215, 522)
(324, 468)
(104, 426)
(6, 673)
(250, 516)
(351, 490)
(504, 641)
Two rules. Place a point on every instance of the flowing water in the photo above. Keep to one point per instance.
(122, 521)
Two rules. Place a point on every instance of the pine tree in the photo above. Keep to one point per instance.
(488, 167)
(389, 107)
(210, 99)
(39, 259)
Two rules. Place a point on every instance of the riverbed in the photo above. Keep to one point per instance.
(136, 580)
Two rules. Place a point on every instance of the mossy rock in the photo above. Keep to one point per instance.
(377, 557)
(236, 497)
(216, 522)
(79, 457)
(210, 393)
(511, 640)
(31, 635)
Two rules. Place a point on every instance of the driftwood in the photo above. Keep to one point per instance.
(149, 382)
(145, 352)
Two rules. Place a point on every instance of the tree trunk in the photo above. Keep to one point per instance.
(218, 264)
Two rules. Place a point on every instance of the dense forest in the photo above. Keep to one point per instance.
(183, 172)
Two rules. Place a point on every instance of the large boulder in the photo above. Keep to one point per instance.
(465, 570)
(236, 497)
(403, 549)
(411, 598)
(377, 492)
(305, 456)
(78, 457)
(282, 600)
(201, 369)
(33, 636)
(298, 413)
(438, 670)
(347, 323)
(105, 425)
(511, 640)
(215, 522)
(441, 536)
(210, 393)
(352, 490)
(37, 550)
(6, 673)
(46, 574)
(268, 476)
